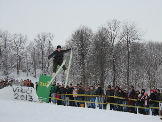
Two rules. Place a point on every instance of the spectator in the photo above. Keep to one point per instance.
(71, 98)
(146, 103)
(92, 98)
(53, 92)
(81, 98)
(157, 93)
(75, 92)
(140, 103)
(99, 92)
(63, 92)
(87, 98)
(109, 95)
(116, 99)
(131, 95)
(125, 93)
(136, 102)
(67, 96)
(152, 99)
(58, 95)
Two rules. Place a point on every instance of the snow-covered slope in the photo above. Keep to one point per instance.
(6, 93)
(19, 111)
(24, 111)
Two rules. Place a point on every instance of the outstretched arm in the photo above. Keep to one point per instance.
(64, 51)
(51, 55)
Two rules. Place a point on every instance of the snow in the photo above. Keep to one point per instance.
(25, 111)
(6, 93)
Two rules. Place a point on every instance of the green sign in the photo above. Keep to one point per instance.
(43, 91)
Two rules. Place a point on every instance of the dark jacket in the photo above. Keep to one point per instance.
(92, 92)
(81, 91)
(152, 97)
(53, 89)
(70, 91)
(131, 95)
(110, 93)
(99, 91)
(58, 56)
(63, 90)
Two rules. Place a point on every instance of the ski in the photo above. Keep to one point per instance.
(67, 75)
(55, 74)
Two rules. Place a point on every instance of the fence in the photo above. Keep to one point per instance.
(115, 97)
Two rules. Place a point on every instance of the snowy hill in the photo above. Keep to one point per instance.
(19, 111)
(24, 111)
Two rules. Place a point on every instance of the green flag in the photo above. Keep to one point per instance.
(43, 91)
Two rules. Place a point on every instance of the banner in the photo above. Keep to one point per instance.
(24, 93)
(43, 92)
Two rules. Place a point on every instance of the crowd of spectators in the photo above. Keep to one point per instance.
(113, 98)
(4, 83)
(10, 82)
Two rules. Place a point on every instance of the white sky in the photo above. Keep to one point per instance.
(63, 17)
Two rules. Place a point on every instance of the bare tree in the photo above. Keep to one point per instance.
(5, 39)
(129, 34)
(18, 47)
(113, 32)
(80, 43)
(101, 49)
(43, 45)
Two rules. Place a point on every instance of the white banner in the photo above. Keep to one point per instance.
(24, 93)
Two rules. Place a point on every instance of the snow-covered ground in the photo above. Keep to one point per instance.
(23, 111)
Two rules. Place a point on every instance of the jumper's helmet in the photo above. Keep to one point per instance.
(58, 46)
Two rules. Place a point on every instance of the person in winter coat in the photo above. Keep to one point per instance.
(87, 98)
(63, 92)
(67, 96)
(136, 102)
(120, 101)
(125, 93)
(110, 99)
(116, 94)
(75, 92)
(157, 93)
(92, 98)
(152, 97)
(143, 92)
(58, 96)
(58, 56)
(70, 91)
(53, 92)
(140, 101)
(146, 103)
(99, 92)
(131, 95)
(81, 98)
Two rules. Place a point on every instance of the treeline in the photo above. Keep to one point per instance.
(115, 54)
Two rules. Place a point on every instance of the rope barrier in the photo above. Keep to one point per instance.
(124, 105)
(105, 96)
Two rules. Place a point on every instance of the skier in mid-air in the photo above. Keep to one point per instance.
(58, 56)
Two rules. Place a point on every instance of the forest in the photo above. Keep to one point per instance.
(115, 54)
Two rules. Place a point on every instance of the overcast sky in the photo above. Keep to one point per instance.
(63, 17)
